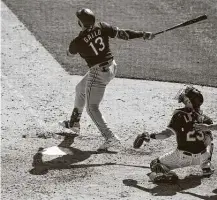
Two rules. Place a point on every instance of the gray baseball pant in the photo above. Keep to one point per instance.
(90, 91)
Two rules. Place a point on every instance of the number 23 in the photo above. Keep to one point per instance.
(192, 138)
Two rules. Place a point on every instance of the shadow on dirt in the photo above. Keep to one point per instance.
(126, 165)
(66, 161)
(188, 182)
(213, 197)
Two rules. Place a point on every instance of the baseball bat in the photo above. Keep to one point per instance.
(192, 21)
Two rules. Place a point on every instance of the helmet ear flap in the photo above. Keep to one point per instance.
(80, 23)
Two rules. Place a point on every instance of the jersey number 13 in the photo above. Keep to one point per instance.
(97, 45)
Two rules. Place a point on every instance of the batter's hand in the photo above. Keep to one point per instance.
(140, 139)
(148, 35)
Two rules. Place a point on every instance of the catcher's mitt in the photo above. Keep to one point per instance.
(140, 139)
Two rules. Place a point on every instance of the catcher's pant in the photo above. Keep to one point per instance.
(178, 159)
(90, 90)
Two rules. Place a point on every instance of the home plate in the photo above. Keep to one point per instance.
(56, 151)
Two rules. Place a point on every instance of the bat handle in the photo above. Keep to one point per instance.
(159, 33)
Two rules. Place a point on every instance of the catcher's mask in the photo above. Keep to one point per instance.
(86, 17)
(190, 96)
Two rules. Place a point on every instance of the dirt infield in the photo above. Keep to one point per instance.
(184, 55)
(37, 93)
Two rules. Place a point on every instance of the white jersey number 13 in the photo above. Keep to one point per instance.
(99, 43)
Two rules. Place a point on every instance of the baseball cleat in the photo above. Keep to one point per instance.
(208, 171)
(109, 143)
(66, 124)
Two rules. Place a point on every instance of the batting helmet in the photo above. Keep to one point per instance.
(86, 16)
(193, 94)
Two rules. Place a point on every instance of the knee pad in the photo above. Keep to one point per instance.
(208, 138)
(158, 167)
(153, 163)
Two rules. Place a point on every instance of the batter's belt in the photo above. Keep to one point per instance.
(105, 63)
(104, 66)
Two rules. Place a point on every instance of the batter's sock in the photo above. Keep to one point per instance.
(75, 117)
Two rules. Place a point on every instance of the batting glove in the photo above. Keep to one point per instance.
(148, 35)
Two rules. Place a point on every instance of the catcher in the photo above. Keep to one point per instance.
(194, 147)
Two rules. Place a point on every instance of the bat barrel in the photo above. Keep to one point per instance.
(192, 21)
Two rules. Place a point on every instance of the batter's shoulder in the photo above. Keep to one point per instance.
(108, 29)
(104, 24)
(77, 38)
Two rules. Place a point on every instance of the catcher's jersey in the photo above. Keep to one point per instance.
(93, 44)
(188, 139)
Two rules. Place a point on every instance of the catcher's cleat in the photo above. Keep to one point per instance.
(140, 139)
(207, 168)
(169, 177)
(208, 171)
(66, 124)
(108, 143)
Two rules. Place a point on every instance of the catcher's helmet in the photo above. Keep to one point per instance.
(193, 94)
(86, 16)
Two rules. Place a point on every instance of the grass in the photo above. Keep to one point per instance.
(186, 55)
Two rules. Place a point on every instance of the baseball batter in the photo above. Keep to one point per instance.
(194, 147)
(92, 44)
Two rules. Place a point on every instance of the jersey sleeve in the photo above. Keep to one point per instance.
(109, 30)
(174, 124)
(134, 34)
(73, 47)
